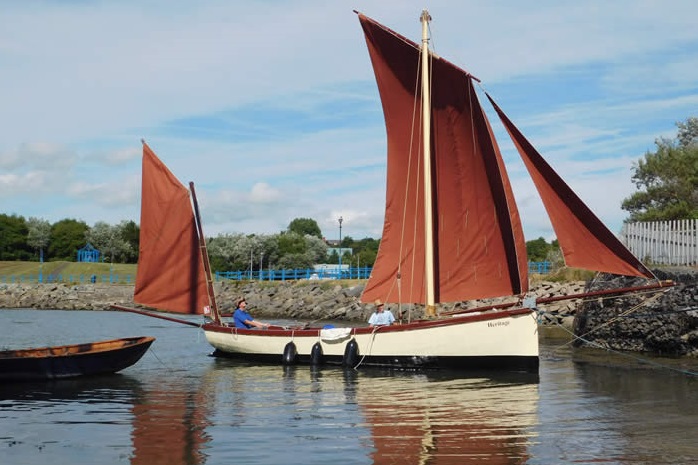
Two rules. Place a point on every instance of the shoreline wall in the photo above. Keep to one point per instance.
(665, 325)
(302, 300)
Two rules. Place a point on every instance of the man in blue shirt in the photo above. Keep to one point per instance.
(244, 320)
(381, 317)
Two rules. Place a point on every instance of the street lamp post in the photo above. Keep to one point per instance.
(340, 245)
(261, 256)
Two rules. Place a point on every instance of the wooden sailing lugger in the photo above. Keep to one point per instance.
(451, 233)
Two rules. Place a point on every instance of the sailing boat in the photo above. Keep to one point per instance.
(452, 232)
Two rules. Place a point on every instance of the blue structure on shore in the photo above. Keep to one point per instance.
(88, 254)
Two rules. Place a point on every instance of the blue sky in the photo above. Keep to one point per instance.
(271, 107)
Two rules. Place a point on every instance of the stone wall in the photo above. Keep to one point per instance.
(665, 325)
(303, 300)
(661, 323)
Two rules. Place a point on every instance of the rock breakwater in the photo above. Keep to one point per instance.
(303, 300)
(659, 323)
(666, 324)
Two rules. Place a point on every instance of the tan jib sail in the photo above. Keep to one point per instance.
(170, 273)
(585, 241)
(479, 247)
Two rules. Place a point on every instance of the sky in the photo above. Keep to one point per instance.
(271, 107)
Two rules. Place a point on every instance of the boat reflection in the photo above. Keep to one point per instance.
(385, 416)
(436, 419)
(392, 416)
(169, 426)
(111, 388)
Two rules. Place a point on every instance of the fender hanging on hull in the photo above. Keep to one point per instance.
(316, 355)
(351, 354)
(290, 354)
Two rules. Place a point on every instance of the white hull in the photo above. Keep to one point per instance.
(499, 340)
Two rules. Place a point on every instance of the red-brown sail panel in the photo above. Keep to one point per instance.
(170, 273)
(480, 249)
(585, 241)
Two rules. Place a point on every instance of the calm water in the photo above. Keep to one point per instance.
(179, 406)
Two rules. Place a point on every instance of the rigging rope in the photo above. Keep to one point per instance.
(370, 347)
(608, 349)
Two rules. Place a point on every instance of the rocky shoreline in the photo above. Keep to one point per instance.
(660, 323)
(302, 300)
(667, 324)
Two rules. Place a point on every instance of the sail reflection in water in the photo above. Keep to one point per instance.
(169, 427)
(448, 421)
(181, 407)
(384, 416)
(256, 414)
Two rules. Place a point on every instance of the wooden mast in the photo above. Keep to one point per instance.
(215, 315)
(426, 140)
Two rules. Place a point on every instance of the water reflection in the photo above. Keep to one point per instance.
(388, 416)
(178, 406)
(221, 410)
(425, 418)
(113, 388)
(169, 426)
(654, 416)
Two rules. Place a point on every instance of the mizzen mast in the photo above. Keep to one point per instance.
(215, 314)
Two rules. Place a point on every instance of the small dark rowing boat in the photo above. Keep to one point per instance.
(90, 358)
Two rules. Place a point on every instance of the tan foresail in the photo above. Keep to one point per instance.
(170, 273)
(585, 241)
(479, 244)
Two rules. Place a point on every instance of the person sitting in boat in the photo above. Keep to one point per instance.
(381, 317)
(244, 320)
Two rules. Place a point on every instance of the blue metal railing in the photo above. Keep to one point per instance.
(539, 267)
(256, 275)
(295, 274)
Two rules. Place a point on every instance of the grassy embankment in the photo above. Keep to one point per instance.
(64, 268)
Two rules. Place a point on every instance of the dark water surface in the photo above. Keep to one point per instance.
(180, 406)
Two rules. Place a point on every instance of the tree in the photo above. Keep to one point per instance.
(39, 235)
(221, 251)
(303, 226)
(667, 179)
(316, 249)
(270, 246)
(13, 238)
(364, 251)
(537, 250)
(291, 243)
(67, 236)
(107, 239)
(130, 234)
(293, 261)
(366, 257)
(347, 242)
(688, 132)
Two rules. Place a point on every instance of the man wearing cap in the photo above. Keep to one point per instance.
(244, 320)
(381, 317)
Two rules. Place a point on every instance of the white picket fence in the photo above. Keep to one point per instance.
(663, 242)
